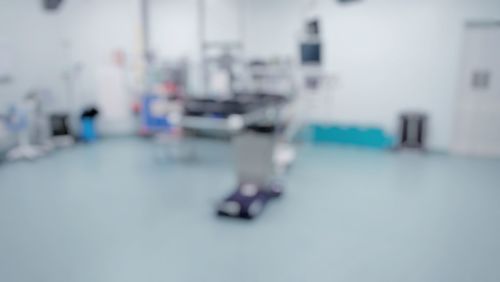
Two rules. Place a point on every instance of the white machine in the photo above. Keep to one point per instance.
(29, 124)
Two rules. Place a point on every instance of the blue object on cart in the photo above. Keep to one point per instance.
(151, 122)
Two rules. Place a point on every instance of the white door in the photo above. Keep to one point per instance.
(477, 122)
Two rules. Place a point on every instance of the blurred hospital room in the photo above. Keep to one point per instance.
(249, 140)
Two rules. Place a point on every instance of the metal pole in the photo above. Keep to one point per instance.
(145, 4)
(145, 42)
(201, 41)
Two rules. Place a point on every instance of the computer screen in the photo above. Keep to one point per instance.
(310, 53)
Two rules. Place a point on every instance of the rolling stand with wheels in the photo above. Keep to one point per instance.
(257, 184)
(252, 121)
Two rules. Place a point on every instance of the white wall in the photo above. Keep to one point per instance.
(272, 27)
(44, 45)
(31, 40)
(174, 34)
(92, 31)
(266, 28)
(174, 28)
(223, 20)
(388, 55)
(395, 55)
(86, 32)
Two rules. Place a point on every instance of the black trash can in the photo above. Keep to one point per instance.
(413, 130)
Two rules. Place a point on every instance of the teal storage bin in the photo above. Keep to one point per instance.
(352, 135)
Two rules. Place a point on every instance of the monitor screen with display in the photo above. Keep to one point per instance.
(310, 53)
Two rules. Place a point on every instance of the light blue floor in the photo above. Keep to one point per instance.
(109, 213)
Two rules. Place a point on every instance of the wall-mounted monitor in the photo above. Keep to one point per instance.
(347, 1)
(310, 53)
(51, 5)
